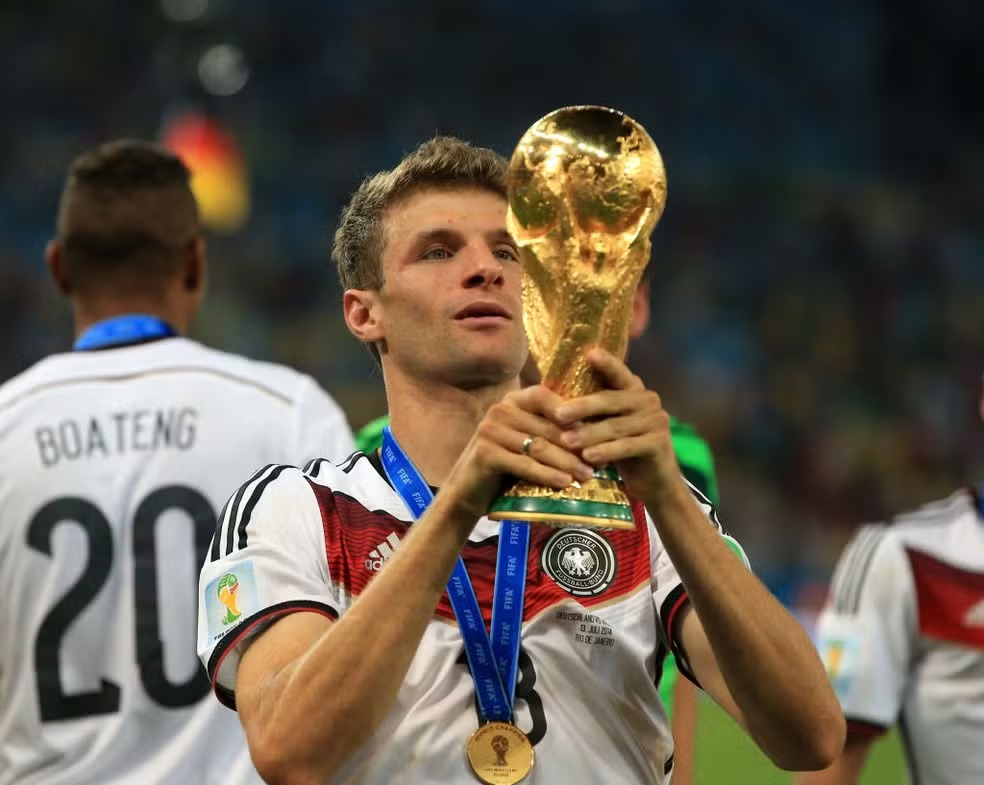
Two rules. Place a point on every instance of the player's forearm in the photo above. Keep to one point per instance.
(337, 694)
(766, 659)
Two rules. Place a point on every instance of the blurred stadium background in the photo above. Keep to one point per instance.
(818, 291)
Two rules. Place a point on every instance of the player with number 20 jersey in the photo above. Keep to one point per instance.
(114, 461)
(114, 465)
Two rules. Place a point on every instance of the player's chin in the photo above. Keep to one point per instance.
(488, 367)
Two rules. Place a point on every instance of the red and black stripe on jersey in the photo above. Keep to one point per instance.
(946, 599)
(352, 531)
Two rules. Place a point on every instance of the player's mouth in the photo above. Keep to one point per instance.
(483, 313)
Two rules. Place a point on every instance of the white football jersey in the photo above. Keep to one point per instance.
(902, 637)
(114, 465)
(598, 608)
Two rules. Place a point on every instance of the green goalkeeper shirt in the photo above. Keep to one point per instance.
(696, 462)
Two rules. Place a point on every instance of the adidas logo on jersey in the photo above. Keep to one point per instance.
(382, 552)
(975, 616)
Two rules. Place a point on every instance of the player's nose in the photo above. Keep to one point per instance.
(483, 268)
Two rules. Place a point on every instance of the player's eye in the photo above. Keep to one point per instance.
(437, 253)
(507, 253)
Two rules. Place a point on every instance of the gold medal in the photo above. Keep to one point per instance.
(500, 754)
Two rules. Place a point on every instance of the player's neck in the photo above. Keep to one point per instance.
(91, 311)
(434, 423)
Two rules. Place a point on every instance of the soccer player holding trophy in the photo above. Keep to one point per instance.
(397, 631)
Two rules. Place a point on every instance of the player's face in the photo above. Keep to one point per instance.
(451, 304)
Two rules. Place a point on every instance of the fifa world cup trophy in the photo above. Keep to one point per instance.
(586, 189)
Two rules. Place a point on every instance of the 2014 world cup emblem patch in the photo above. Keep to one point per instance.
(229, 599)
(580, 561)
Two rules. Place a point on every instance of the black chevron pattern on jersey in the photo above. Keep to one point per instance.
(702, 498)
(853, 568)
(215, 548)
(251, 504)
(229, 513)
(233, 514)
(350, 463)
(235, 517)
(314, 467)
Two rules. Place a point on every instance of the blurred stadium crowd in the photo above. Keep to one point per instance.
(818, 291)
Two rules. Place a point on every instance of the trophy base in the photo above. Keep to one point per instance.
(599, 503)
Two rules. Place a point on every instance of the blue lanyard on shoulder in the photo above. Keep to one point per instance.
(122, 330)
(494, 662)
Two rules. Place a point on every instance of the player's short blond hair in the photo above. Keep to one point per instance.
(443, 162)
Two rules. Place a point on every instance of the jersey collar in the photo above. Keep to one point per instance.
(125, 330)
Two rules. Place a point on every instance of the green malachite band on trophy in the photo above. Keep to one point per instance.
(520, 505)
(607, 473)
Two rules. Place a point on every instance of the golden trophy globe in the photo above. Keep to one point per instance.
(586, 187)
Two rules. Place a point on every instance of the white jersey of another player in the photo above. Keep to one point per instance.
(598, 606)
(903, 637)
(113, 467)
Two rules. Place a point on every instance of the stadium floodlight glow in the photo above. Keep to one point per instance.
(222, 70)
(184, 10)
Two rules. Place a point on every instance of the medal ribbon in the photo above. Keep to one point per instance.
(121, 330)
(493, 661)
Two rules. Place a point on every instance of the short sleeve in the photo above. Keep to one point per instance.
(669, 593)
(267, 559)
(320, 429)
(866, 631)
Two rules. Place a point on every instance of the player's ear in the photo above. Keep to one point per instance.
(54, 259)
(194, 267)
(640, 310)
(190, 282)
(363, 314)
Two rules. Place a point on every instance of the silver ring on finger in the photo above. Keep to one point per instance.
(528, 444)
